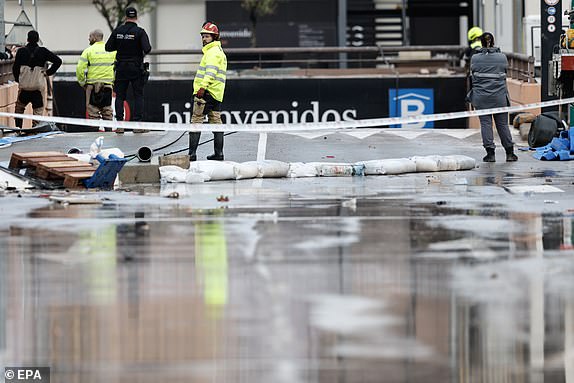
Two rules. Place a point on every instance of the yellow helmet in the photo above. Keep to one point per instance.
(474, 33)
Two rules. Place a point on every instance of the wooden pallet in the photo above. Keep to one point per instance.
(55, 166)
(25, 160)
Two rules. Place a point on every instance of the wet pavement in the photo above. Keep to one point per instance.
(428, 277)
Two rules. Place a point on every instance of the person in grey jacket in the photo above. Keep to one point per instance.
(488, 74)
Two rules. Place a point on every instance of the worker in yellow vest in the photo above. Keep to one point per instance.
(95, 72)
(208, 88)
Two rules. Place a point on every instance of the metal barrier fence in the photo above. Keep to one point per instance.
(520, 66)
(377, 58)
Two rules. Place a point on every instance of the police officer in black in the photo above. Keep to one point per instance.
(132, 44)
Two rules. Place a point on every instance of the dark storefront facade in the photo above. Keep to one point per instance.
(296, 100)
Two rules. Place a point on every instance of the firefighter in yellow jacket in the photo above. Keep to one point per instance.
(95, 72)
(208, 90)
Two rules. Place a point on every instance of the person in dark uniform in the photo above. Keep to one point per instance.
(489, 90)
(132, 44)
(29, 63)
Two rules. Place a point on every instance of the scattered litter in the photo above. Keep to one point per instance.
(174, 195)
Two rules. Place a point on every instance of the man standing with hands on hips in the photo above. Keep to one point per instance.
(95, 72)
(132, 44)
(208, 90)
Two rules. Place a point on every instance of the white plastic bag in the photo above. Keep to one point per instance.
(246, 170)
(389, 166)
(115, 151)
(300, 169)
(272, 169)
(96, 146)
(215, 170)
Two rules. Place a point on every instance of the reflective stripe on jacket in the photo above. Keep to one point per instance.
(212, 72)
(96, 65)
(488, 74)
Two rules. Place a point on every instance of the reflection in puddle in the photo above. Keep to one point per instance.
(309, 290)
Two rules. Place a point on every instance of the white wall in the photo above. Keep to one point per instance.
(178, 26)
(65, 25)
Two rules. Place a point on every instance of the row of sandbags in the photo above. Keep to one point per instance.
(202, 171)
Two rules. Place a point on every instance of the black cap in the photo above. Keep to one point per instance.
(131, 12)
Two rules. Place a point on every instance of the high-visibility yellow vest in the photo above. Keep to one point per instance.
(477, 44)
(96, 65)
(212, 72)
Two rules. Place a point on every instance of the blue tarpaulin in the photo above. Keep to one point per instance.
(559, 149)
(7, 141)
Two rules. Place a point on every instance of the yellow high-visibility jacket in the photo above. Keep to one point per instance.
(96, 65)
(212, 71)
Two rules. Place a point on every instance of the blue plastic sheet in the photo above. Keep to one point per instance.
(7, 141)
(561, 148)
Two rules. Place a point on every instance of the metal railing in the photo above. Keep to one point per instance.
(520, 66)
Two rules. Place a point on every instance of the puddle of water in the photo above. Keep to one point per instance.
(302, 290)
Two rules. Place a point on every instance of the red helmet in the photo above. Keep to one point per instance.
(210, 28)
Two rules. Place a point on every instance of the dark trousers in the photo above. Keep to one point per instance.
(129, 73)
(121, 89)
(501, 122)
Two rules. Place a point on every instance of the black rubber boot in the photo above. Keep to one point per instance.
(193, 143)
(490, 157)
(510, 156)
(218, 147)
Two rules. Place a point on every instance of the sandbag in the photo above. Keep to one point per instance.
(464, 162)
(246, 170)
(300, 169)
(195, 177)
(544, 128)
(272, 169)
(329, 169)
(389, 166)
(171, 173)
(523, 118)
(447, 163)
(215, 170)
(426, 163)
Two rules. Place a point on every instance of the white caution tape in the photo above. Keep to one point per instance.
(286, 127)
